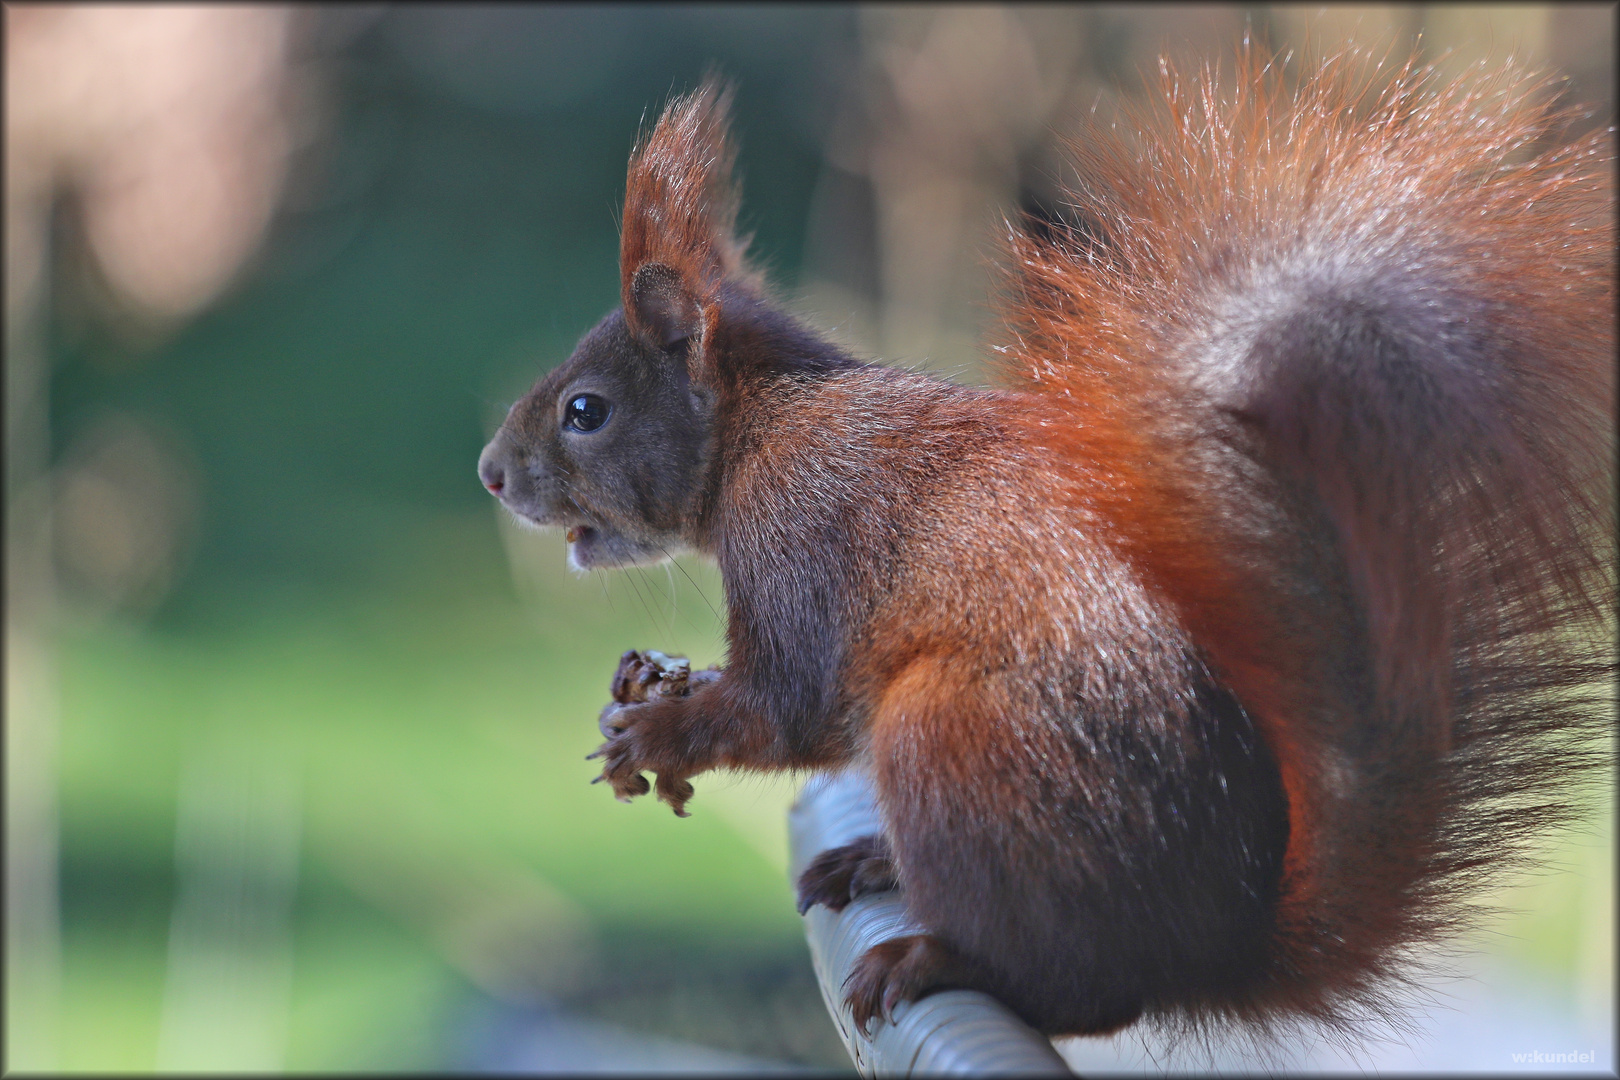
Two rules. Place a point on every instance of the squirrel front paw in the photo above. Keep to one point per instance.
(636, 745)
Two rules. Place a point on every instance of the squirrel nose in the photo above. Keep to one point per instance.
(491, 471)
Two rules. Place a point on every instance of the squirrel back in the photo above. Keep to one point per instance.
(1347, 351)
(1202, 670)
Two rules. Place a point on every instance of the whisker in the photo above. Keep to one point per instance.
(689, 577)
(644, 590)
(652, 590)
(673, 607)
(639, 596)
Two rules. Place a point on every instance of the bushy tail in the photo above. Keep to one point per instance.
(1343, 359)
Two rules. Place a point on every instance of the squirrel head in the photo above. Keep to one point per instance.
(616, 444)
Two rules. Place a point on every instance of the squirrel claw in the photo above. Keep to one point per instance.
(628, 787)
(675, 791)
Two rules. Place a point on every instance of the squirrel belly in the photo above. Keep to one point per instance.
(1205, 666)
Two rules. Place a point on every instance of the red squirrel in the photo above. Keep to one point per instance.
(1204, 665)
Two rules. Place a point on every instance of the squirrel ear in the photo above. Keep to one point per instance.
(661, 308)
(678, 248)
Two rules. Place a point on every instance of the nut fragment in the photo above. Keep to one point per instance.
(649, 676)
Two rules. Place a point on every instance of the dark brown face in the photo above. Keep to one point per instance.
(612, 446)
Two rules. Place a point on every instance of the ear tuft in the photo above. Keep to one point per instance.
(680, 211)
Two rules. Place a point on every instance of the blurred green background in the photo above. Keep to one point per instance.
(296, 719)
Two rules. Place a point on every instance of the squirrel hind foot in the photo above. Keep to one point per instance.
(841, 875)
(899, 970)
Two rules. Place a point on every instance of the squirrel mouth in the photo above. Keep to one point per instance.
(592, 547)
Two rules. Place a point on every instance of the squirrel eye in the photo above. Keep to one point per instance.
(586, 412)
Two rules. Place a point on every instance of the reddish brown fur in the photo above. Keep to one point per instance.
(1198, 674)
